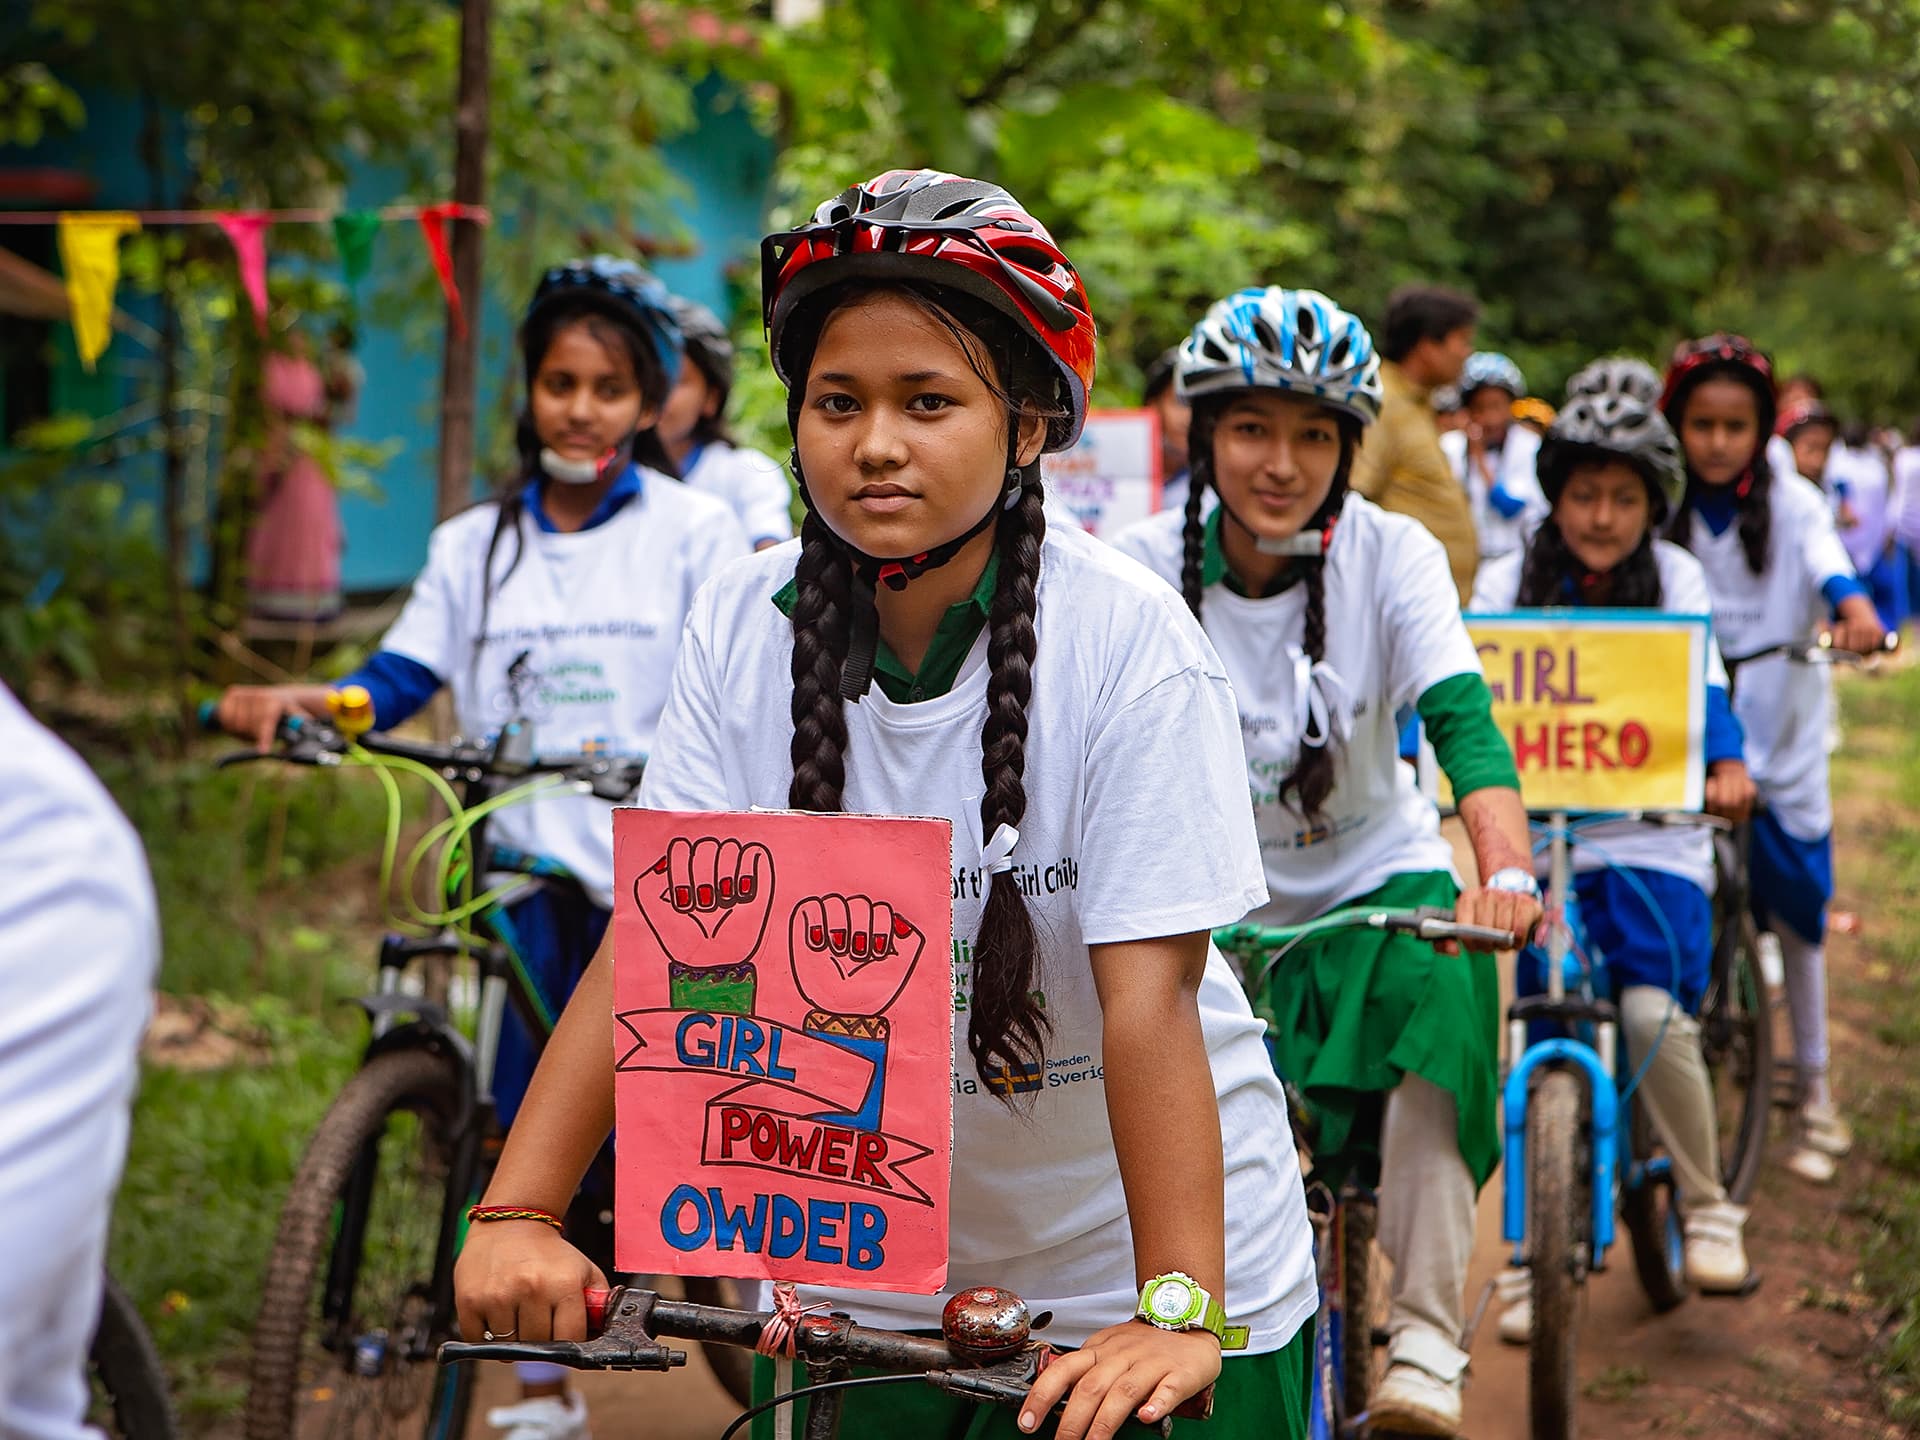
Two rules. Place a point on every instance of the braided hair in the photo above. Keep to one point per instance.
(536, 338)
(1753, 496)
(1310, 781)
(1005, 1023)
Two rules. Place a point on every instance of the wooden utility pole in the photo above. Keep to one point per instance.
(460, 361)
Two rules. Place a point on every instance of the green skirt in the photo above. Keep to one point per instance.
(1357, 1010)
(1257, 1397)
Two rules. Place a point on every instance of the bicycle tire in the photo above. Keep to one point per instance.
(1736, 1033)
(1359, 1222)
(420, 1083)
(125, 1365)
(1652, 1220)
(1558, 1211)
(731, 1366)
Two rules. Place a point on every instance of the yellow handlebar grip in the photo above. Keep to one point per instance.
(352, 710)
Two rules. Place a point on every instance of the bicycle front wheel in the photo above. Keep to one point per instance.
(1558, 1217)
(344, 1348)
(1736, 1035)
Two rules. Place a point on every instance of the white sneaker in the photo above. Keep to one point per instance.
(1413, 1401)
(1773, 966)
(1822, 1128)
(1513, 1289)
(1716, 1256)
(1811, 1165)
(547, 1417)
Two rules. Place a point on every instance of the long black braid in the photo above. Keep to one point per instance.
(1006, 1025)
(1311, 780)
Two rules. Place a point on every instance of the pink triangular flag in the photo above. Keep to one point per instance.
(433, 226)
(248, 232)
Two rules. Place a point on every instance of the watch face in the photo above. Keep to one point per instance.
(1171, 1301)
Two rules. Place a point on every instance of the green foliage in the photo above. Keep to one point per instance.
(30, 99)
(1605, 178)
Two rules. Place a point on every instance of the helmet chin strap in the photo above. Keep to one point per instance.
(898, 571)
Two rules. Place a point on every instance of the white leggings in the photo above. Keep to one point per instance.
(1805, 962)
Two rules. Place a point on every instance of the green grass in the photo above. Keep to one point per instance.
(1616, 1383)
(1886, 868)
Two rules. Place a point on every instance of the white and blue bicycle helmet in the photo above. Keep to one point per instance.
(1490, 367)
(1298, 341)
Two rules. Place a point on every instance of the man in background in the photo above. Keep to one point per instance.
(1424, 343)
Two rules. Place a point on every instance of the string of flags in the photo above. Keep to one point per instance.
(89, 243)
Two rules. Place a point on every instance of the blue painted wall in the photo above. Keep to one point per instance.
(724, 162)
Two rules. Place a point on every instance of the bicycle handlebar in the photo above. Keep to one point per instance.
(1822, 652)
(316, 742)
(986, 1352)
(1428, 922)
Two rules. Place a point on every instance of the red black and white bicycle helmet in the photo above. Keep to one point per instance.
(948, 230)
(1733, 357)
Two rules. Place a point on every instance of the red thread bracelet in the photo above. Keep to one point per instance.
(483, 1213)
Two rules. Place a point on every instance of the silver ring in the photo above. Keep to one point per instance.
(503, 1335)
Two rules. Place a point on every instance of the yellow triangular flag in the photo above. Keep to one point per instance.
(90, 255)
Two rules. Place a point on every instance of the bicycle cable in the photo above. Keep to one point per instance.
(1645, 896)
(788, 1397)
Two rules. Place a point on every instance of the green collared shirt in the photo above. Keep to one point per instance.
(1213, 564)
(952, 641)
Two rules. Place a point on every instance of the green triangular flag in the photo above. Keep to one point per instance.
(353, 233)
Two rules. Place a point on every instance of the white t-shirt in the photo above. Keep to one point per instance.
(1135, 801)
(1393, 632)
(597, 612)
(1905, 503)
(1514, 468)
(78, 946)
(1781, 703)
(1684, 851)
(753, 484)
(1864, 474)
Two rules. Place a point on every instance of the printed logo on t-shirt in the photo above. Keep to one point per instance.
(539, 692)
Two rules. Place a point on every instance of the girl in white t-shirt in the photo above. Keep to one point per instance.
(1778, 574)
(1332, 615)
(1610, 469)
(561, 602)
(942, 650)
(693, 431)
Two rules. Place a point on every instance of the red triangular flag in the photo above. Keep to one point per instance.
(248, 232)
(433, 225)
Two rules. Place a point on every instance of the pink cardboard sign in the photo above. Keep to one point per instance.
(783, 1035)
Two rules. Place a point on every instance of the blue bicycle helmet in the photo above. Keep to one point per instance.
(618, 288)
(1276, 339)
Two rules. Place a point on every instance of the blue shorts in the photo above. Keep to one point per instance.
(555, 932)
(1791, 880)
(1629, 937)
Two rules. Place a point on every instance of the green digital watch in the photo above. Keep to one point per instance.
(1175, 1301)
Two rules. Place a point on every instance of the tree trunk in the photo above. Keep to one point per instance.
(457, 373)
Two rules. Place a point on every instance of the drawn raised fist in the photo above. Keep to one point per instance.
(707, 901)
(851, 954)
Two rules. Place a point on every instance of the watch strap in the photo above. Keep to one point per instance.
(1213, 1316)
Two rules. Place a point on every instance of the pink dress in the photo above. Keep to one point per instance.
(293, 554)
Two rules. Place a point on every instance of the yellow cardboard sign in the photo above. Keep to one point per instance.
(1604, 709)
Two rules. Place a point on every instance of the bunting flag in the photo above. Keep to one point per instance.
(90, 256)
(248, 232)
(353, 235)
(433, 225)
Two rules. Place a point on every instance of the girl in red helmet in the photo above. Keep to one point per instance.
(942, 650)
(1778, 573)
